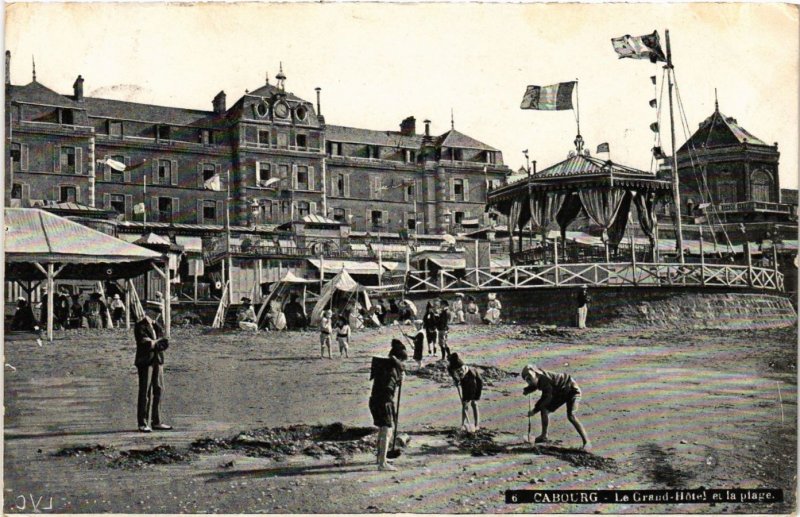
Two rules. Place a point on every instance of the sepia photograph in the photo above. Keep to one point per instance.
(400, 258)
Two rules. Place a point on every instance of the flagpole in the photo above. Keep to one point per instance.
(578, 106)
(144, 199)
(676, 195)
(228, 236)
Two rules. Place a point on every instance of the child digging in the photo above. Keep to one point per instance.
(557, 389)
(325, 331)
(470, 385)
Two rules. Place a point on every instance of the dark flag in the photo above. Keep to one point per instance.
(639, 47)
(653, 79)
(654, 127)
(603, 148)
(549, 98)
(653, 103)
(658, 154)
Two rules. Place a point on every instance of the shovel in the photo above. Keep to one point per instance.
(528, 438)
(395, 453)
(461, 398)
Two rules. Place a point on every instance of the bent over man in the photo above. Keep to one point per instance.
(557, 389)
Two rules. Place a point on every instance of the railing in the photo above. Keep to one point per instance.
(756, 206)
(291, 251)
(596, 275)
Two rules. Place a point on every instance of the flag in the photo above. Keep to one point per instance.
(653, 79)
(114, 164)
(653, 103)
(658, 154)
(138, 208)
(639, 47)
(654, 127)
(603, 148)
(549, 98)
(213, 183)
(137, 165)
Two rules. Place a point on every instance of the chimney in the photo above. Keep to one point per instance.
(8, 67)
(427, 127)
(408, 127)
(77, 87)
(319, 109)
(219, 103)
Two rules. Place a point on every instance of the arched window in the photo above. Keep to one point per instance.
(761, 182)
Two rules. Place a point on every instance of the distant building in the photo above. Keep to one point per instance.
(285, 162)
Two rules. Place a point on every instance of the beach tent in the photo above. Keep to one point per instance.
(40, 246)
(282, 287)
(342, 282)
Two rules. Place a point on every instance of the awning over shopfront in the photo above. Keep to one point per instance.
(351, 266)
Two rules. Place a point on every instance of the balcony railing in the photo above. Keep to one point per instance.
(304, 252)
(757, 206)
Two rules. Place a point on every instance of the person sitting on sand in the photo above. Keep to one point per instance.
(470, 385)
(557, 389)
(493, 310)
(472, 311)
(23, 317)
(247, 316)
(277, 319)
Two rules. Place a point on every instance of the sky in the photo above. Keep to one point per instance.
(379, 63)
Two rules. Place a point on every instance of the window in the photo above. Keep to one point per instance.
(762, 186)
(411, 223)
(206, 136)
(302, 177)
(68, 195)
(301, 140)
(16, 191)
(283, 140)
(411, 156)
(726, 191)
(162, 133)
(459, 217)
(334, 149)
(458, 189)
(490, 158)
(118, 203)
(458, 154)
(339, 185)
(16, 155)
(264, 172)
(376, 218)
(283, 171)
(208, 171)
(68, 160)
(114, 128)
(165, 209)
(339, 215)
(373, 151)
(66, 116)
(303, 209)
(209, 211)
(115, 174)
(409, 191)
(164, 171)
(263, 138)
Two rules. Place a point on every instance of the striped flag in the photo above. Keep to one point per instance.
(639, 47)
(549, 98)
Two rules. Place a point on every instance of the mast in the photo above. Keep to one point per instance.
(676, 195)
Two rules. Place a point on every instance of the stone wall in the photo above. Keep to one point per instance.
(645, 307)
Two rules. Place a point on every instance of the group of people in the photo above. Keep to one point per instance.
(557, 389)
(291, 316)
(70, 313)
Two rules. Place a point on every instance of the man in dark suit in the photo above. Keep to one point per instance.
(150, 346)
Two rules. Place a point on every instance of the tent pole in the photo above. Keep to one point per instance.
(128, 306)
(50, 296)
(380, 268)
(195, 284)
(167, 302)
(321, 272)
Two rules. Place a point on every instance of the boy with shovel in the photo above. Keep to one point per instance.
(470, 385)
(387, 376)
(557, 389)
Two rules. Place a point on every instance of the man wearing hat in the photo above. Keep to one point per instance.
(386, 376)
(23, 317)
(493, 309)
(583, 306)
(470, 385)
(247, 316)
(149, 361)
(443, 327)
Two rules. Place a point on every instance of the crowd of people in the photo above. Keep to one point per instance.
(70, 311)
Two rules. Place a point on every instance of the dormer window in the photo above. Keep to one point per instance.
(114, 128)
(300, 113)
(162, 132)
(262, 108)
(334, 149)
(65, 116)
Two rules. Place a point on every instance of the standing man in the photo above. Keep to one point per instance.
(386, 375)
(583, 306)
(150, 346)
(443, 327)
